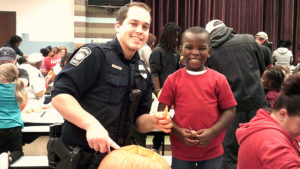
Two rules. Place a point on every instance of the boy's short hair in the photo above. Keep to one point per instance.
(122, 14)
(195, 30)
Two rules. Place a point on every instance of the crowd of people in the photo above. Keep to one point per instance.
(236, 101)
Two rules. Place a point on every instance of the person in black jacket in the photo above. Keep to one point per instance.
(239, 58)
(14, 42)
(164, 60)
(105, 90)
(262, 38)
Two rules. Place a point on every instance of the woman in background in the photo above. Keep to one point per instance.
(269, 140)
(11, 96)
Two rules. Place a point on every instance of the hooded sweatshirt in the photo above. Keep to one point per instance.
(239, 58)
(264, 144)
(282, 56)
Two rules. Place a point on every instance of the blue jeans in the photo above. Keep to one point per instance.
(215, 163)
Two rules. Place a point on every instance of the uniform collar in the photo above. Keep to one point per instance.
(117, 47)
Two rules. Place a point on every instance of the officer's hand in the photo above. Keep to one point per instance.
(99, 140)
(162, 121)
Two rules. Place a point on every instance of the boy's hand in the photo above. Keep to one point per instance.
(188, 137)
(162, 121)
(204, 137)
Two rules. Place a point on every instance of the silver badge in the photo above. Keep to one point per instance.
(143, 71)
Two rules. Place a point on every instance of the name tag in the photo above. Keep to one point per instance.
(116, 67)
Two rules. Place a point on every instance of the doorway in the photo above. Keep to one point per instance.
(7, 26)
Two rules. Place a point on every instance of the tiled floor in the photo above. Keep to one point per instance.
(167, 144)
(36, 148)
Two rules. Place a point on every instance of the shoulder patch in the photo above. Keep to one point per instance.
(83, 53)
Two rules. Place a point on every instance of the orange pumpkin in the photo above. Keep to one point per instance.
(133, 157)
(22, 106)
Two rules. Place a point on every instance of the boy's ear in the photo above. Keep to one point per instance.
(209, 51)
(180, 50)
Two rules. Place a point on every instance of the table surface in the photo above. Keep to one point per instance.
(37, 129)
(47, 116)
(27, 161)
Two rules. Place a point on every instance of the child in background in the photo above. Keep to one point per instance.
(204, 106)
(272, 80)
(10, 118)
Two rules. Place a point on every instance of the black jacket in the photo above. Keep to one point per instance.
(239, 58)
(163, 63)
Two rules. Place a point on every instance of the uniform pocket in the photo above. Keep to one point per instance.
(118, 86)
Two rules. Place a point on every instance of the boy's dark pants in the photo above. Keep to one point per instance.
(230, 144)
(11, 140)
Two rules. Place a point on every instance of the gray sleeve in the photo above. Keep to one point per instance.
(19, 52)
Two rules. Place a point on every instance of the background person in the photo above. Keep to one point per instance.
(238, 57)
(262, 38)
(282, 55)
(272, 80)
(14, 42)
(11, 96)
(269, 139)
(36, 88)
(8, 55)
(164, 60)
(146, 50)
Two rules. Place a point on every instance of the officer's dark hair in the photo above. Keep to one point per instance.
(195, 30)
(276, 78)
(15, 39)
(168, 34)
(122, 14)
(289, 99)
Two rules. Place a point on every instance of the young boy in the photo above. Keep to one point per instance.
(204, 106)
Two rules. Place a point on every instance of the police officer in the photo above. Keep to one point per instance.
(93, 92)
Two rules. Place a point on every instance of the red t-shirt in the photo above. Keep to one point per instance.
(50, 62)
(198, 103)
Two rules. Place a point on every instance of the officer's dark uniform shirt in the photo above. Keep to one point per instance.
(98, 77)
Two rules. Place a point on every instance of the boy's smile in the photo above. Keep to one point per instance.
(195, 50)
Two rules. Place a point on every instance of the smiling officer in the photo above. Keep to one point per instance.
(105, 89)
